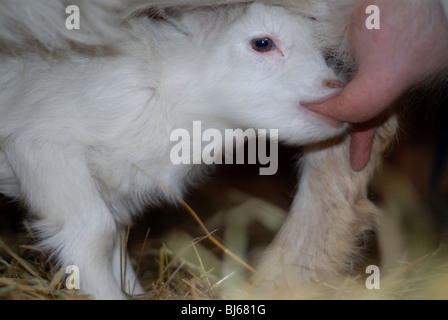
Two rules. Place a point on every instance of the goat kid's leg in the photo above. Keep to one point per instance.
(330, 209)
(71, 220)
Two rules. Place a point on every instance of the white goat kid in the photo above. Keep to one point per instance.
(74, 119)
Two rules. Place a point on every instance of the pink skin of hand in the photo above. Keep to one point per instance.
(411, 44)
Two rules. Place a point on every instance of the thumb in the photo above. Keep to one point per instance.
(362, 99)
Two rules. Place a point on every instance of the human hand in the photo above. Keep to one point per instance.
(411, 44)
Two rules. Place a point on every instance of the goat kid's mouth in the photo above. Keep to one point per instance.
(324, 118)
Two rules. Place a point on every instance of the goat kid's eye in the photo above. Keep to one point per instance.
(263, 44)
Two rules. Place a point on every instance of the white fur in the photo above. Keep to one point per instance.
(327, 227)
(78, 110)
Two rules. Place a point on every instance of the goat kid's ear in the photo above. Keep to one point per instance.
(191, 22)
(199, 22)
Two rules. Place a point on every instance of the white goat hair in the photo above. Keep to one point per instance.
(80, 108)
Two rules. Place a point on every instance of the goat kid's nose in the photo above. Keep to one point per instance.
(333, 84)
